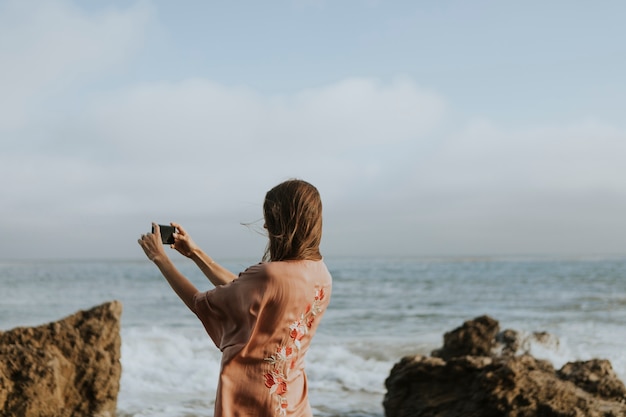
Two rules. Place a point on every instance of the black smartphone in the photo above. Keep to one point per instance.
(166, 233)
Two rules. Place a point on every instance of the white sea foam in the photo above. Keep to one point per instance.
(170, 371)
(347, 378)
(174, 372)
(588, 345)
(167, 372)
(587, 341)
(338, 368)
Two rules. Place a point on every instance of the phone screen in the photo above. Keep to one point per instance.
(166, 233)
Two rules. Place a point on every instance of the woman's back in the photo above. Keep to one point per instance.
(263, 322)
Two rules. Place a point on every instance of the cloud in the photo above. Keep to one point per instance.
(46, 47)
(350, 113)
(487, 189)
(584, 155)
(234, 137)
(199, 150)
(397, 173)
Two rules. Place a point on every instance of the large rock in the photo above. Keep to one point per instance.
(66, 368)
(481, 372)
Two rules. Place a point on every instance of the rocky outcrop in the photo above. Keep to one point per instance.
(482, 372)
(66, 368)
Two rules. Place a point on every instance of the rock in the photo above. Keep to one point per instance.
(66, 368)
(477, 373)
(595, 376)
(474, 338)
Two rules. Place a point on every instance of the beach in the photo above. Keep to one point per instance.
(381, 310)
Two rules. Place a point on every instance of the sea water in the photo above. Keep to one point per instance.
(380, 311)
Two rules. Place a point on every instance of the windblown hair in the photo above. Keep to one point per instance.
(293, 219)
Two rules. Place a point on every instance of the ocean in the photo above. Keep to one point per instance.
(381, 310)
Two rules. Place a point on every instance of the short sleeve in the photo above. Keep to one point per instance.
(227, 312)
(210, 314)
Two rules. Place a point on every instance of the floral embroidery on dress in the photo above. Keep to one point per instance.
(286, 355)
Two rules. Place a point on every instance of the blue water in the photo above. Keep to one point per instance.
(381, 310)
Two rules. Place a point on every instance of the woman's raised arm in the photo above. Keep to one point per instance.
(216, 273)
(152, 246)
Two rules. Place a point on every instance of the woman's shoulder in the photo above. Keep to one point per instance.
(308, 268)
(256, 270)
(279, 269)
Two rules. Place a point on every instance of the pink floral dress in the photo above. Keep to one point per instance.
(263, 323)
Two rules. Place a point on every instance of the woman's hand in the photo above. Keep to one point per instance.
(183, 242)
(154, 249)
(151, 244)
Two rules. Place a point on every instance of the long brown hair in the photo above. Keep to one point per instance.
(293, 219)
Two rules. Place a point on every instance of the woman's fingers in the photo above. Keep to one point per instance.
(151, 243)
(149, 240)
(180, 229)
(156, 230)
(182, 241)
(180, 234)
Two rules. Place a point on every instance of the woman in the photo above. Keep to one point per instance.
(264, 319)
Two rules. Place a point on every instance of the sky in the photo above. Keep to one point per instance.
(446, 128)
